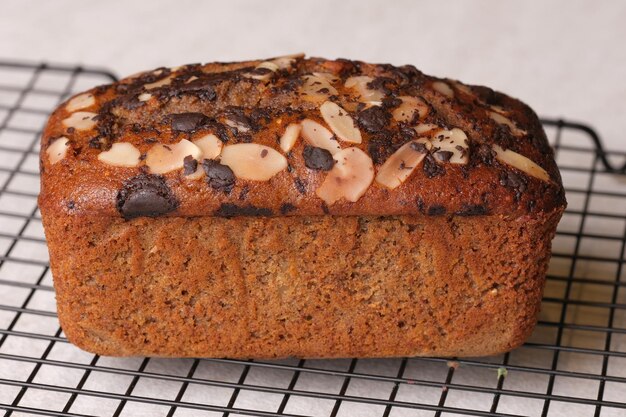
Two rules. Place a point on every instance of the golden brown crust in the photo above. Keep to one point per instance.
(82, 184)
(323, 286)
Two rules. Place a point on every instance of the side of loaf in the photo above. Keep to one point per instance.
(297, 207)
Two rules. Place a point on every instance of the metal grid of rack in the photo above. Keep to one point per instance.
(574, 364)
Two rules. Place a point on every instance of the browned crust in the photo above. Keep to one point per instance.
(325, 286)
(81, 185)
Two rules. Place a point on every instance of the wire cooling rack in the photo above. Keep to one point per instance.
(574, 364)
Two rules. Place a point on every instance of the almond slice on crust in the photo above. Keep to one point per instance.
(289, 138)
(80, 120)
(317, 135)
(81, 101)
(349, 178)
(505, 121)
(251, 161)
(451, 146)
(121, 154)
(162, 159)
(366, 94)
(406, 111)
(399, 166)
(57, 150)
(520, 162)
(340, 122)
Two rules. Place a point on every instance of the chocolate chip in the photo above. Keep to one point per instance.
(285, 208)
(436, 210)
(472, 210)
(431, 168)
(317, 158)
(188, 122)
(325, 208)
(263, 153)
(373, 119)
(145, 195)
(486, 154)
(391, 102)
(418, 147)
(71, 130)
(444, 156)
(218, 176)
(190, 164)
(233, 210)
(237, 115)
(71, 205)
(300, 185)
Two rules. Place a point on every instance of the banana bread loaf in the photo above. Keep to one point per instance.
(297, 207)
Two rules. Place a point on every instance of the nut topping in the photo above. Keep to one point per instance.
(144, 97)
(251, 161)
(367, 95)
(81, 120)
(443, 88)
(505, 121)
(289, 138)
(350, 177)
(263, 71)
(520, 162)
(399, 166)
(317, 135)
(422, 128)
(57, 150)
(121, 154)
(162, 159)
(340, 122)
(285, 62)
(165, 81)
(210, 146)
(451, 146)
(316, 88)
(407, 111)
(79, 102)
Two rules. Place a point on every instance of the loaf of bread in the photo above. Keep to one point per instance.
(297, 207)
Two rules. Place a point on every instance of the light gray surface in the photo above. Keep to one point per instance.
(564, 58)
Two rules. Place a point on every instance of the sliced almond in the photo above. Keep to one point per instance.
(349, 178)
(498, 109)
(121, 154)
(270, 68)
(251, 161)
(423, 128)
(162, 159)
(464, 88)
(399, 166)
(453, 146)
(144, 97)
(317, 135)
(79, 102)
(521, 162)
(332, 78)
(57, 150)
(210, 145)
(316, 88)
(81, 120)
(443, 88)
(239, 126)
(165, 81)
(289, 138)
(340, 122)
(406, 111)
(285, 62)
(503, 120)
(366, 94)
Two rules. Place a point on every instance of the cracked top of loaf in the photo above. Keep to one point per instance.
(296, 136)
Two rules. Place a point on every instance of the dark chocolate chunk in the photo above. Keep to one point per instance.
(317, 158)
(486, 154)
(391, 102)
(418, 147)
(285, 208)
(145, 195)
(300, 185)
(188, 122)
(218, 176)
(71, 205)
(325, 208)
(379, 149)
(472, 210)
(382, 84)
(233, 210)
(436, 210)
(373, 119)
(444, 156)
(237, 115)
(190, 164)
(431, 168)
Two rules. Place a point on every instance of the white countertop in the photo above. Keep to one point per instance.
(565, 58)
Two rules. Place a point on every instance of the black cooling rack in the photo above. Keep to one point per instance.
(573, 365)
